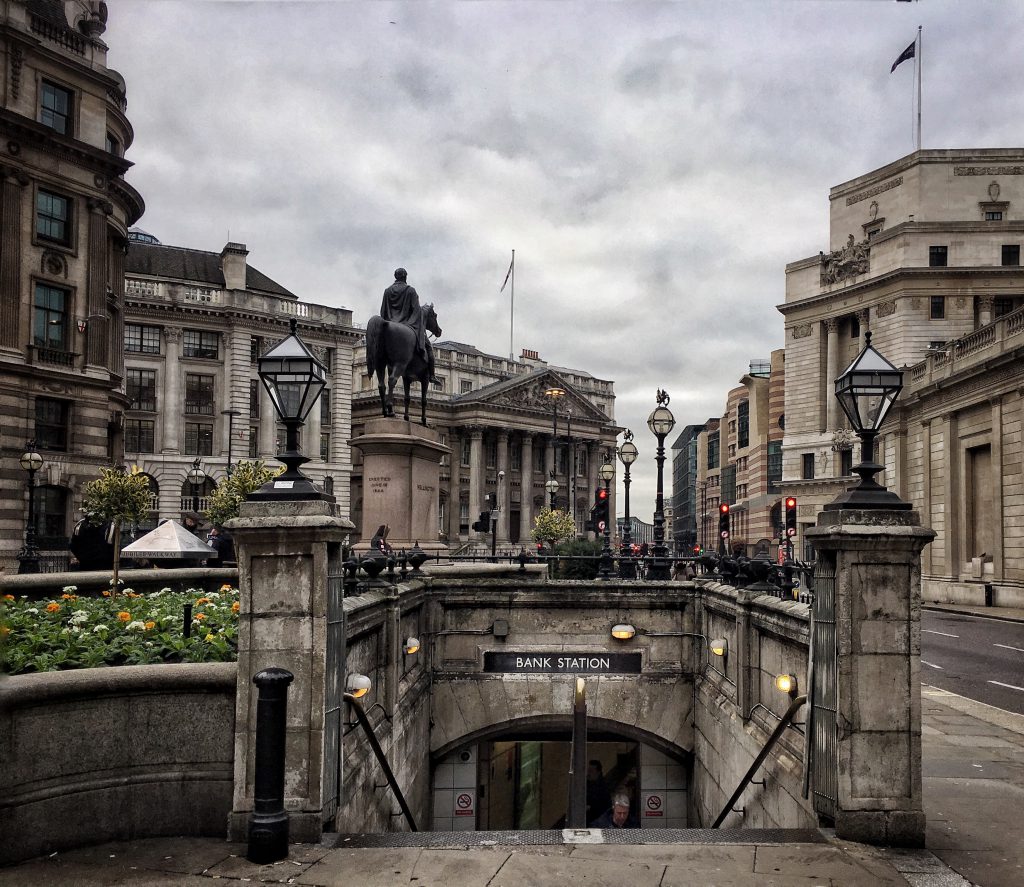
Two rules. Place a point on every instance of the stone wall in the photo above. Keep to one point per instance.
(737, 707)
(94, 582)
(114, 754)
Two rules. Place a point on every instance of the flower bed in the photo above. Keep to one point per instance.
(124, 629)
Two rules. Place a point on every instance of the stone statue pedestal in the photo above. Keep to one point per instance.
(401, 472)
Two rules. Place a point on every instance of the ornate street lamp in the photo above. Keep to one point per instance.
(28, 557)
(294, 378)
(627, 456)
(661, 422)
(196, 477)
(607, 472)
(552, 487)
(866, 392)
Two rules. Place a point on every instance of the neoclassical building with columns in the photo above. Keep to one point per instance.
(926, 254)
(195, 324)
(508, 430)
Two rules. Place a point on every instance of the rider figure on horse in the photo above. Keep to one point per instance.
(401, 304)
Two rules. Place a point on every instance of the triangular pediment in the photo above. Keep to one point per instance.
(527, 393)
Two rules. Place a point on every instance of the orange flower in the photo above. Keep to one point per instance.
(202, 600)
(4, 631)
(225, 587)
(8, 597)
(106, 594)
(124, 617)
(200, 616)
(235, 607)
(150, 626)
(52, 607)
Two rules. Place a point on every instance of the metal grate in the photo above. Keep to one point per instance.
(824, 737)
(449, 840)
(335, 679)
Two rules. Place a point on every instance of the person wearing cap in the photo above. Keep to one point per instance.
(401, 304)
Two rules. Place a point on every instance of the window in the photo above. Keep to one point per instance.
(846, 462)
(255, 348)
(937, 309)
(325, 446)
(53, 217)
(538, 459)
(713, 449)
(141, 388)
(515, 455)
(325, 407)
(198, 439)
(808, 466)
(55, 107)
(465, 453)
(139, 435)
(774, 463)
(198, 395)
(439, 383)
(728, 481)
(855, 327)
(743, 424)
(492, 453)
(139, 339)
(1001, 307)
(112, 144)
(199, 343)
(49, 320)
(281, 438)
(51, 516)
(993, 215)
(1011, 253)
(581, 462)
(254, 441)
(51, 424)
(563, 461)
(254, 398)
(465, 386)
(937, 256)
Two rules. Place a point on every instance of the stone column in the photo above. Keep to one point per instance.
(984, 310)
(998, 528)
(268, 426)
(526, 489)
(454, 483)
(864, 318)
(832, 371)
(12, 335)
(504, 486)
(97, 331)
(876, 555)
(285, 551)
(593, 459)
(476, 474)
(172, 407)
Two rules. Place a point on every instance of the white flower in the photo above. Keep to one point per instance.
(136, 625)
(213, 595)
(32, 610)
(100, 628)
(70, 589)
(164, 591)
(78, 617)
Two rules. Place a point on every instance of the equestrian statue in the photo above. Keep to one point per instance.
(397, 345)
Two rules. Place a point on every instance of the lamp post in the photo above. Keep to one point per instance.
(554, 394)
(661, 422)
(627, 456)
(231, 432)
(866, 392)
(196, 477)
(28, 558)
(294, 378)
(552, 487)
(606, 473)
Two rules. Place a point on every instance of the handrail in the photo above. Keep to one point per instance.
(381, 758)
(794, 707)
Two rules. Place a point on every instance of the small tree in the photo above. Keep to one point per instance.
(231, 492)
(552, 527)
(117, 497)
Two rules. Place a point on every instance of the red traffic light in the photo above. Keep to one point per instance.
(791, 502)
(602, 494)
(724, 508)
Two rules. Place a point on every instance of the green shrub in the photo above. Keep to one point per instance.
(573, 569)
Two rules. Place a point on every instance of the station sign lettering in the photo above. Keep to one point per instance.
(566, 662)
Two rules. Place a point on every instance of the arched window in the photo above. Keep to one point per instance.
(51, 508)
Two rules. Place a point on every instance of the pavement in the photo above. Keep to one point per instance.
(973, 784)
(1006, 614)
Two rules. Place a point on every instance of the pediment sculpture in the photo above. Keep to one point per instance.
(841, 264)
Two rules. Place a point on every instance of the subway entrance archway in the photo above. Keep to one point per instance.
(517, 776)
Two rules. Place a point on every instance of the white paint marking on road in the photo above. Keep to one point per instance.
(1008, 647)
(1008, 686)
(943, 633)
(932, 665)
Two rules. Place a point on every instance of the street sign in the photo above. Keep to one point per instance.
(563, 662)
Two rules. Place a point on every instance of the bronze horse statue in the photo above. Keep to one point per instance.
(391, 352)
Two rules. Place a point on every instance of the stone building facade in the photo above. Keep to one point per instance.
(924, 253)
(738, 460)
(66, 209)
(195, 323)
(507, 435)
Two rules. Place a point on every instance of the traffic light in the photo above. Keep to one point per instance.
(484, 524)
(723, 520)
(790, 516)
(696, 551)
(599, 512)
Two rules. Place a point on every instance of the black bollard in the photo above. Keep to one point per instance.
(186, 625)
(268, 825)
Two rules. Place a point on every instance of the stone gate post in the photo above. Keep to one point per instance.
(285, 552)
(876, 554)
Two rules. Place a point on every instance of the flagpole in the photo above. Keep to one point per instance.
(512, 310)
(920, 62)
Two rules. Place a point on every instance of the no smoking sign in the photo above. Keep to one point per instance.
(464, 804)
(653, 805)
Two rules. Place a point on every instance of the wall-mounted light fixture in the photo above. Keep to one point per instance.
(786, 683)
(623, 631)
(412, 645)
(357, 685)
(500, 628)
(719, 646)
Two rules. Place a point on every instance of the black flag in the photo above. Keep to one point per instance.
(907, 53)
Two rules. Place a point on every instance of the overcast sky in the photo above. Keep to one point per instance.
(654, 165)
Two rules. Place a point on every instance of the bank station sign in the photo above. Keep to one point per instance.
(565, 662)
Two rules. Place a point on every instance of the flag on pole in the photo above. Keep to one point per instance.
(907, 53)
(509, 274)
